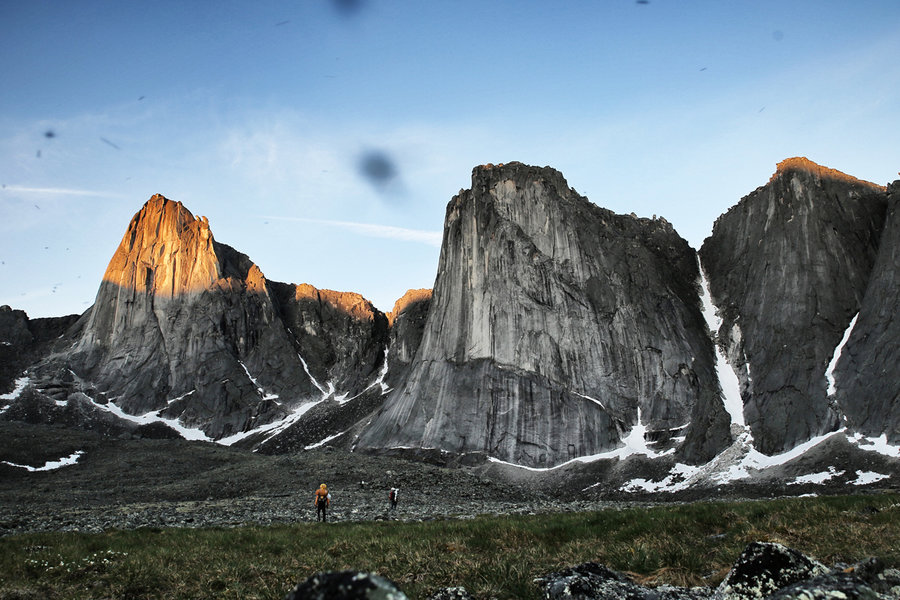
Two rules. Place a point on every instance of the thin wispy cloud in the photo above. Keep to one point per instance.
(430, 238)
(51, 191)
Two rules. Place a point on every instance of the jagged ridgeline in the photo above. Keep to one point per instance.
(556, 330)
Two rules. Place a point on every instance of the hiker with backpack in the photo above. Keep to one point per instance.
(392, 496)
(322, 500)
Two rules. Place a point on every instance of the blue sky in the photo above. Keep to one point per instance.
(260, 115)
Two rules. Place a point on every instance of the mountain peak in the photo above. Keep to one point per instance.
(803, 164)
(165, 251)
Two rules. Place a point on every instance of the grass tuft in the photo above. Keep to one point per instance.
(686, 545)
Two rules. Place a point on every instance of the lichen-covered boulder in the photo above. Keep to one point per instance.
(592, 581)
(346, 585)
(451, 593)
(764, 568)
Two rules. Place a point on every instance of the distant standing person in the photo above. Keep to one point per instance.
(392, 496)
(322, 500)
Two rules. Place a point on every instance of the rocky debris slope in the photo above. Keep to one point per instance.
(762, 571)
(555, 329)
(788, 268)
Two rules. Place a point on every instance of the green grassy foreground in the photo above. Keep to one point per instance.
(693, 544)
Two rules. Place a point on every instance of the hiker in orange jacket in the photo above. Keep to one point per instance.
(321, 499)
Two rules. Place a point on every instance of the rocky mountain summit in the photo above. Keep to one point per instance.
(558, 334)
(556, 327)
(788, 267)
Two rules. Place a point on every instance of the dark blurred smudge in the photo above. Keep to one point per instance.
(347, 8)
(49, 134)
(379, 169)
(106, 141)
(281, 23)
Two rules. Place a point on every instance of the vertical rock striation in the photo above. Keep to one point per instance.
(189, 329)
(555, 328)
(866, 374)
(407, 321)
(184, 325)
(788, 268)
(340, 335)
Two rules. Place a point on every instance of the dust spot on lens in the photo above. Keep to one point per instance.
(377, 167)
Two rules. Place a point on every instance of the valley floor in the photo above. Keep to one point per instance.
(133, 483)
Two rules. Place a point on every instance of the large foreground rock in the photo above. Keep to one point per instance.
(763, 571)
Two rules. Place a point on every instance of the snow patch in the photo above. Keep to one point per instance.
(318, 385)
(21, 384)
(50, 465)
(325, 441)
(181, 397)
(187, 433)
(384, 370)
(636, 441)
(739, 461)
(633, 443)
(594, 400)
(679, 478)
(728, 380)
(867, 477)
(259, 389)
(273, 428)
(879, 445)
(817, 478)
(829, 372)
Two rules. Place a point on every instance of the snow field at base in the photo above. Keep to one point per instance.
(196, 434)
(742, 461)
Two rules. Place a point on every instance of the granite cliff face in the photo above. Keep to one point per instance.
(556, 328)
(187, 329)
(184, 326)
(788, 268)
(866, 375)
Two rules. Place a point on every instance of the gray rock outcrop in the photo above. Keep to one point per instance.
(555, 328)
(866, 386)
(788, 268)
(346, 585)
(407, 321)
(24, 341)
(593, 581)
(188, 329)
(762, 571)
